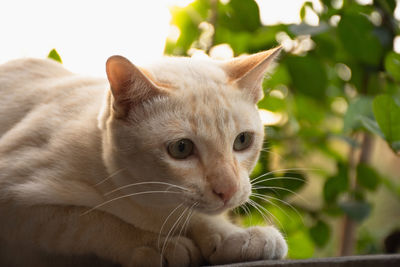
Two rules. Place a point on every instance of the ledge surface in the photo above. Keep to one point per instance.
(392, 260)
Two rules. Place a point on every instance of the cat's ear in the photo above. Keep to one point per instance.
(129, 85)
(248, 72)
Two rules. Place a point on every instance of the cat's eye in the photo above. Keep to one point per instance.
(243, 141)
(181, 149)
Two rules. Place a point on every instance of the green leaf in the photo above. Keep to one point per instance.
(272, 103)
(300, 245)
(332, 209)
(361, 106)
(371, 126)
(376, 84)
(356, 210)
(264, 38)
(357, 74)
(367, 177)
(239, 15)
(392, 65)
(54, 55)
(238, 41)
(356, 33)
(304, 8)
(320, 233)
(308, 75)
(336, 184)
(279, 76)
(309, 111)
(387, 114)
(187, 19)
(367, 243)
(303, 12)
(325, 45)
(391, 186)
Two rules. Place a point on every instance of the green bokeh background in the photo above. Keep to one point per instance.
(334, 159)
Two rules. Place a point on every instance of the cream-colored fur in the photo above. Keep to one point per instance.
(85, 169)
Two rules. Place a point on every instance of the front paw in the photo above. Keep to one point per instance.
(255, 243)
(180, 251)
(176, 251)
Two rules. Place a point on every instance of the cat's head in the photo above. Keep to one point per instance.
(187, 122)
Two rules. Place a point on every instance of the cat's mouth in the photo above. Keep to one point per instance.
(211, 209)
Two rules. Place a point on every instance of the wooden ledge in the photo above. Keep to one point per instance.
(389, 260)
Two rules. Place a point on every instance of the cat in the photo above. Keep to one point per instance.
(138, 168)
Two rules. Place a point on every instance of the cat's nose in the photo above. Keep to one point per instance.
(225, 193)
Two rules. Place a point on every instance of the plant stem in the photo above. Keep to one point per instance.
(349, 227)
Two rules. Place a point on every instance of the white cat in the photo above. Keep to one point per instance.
(139, 174)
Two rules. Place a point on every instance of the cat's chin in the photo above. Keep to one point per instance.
(213, 211)
(217, 210)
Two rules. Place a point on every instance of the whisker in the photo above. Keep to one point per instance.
(190, 217)
(259, 196)
(125, 196)
(255, 186)
(276, 178)
(280, 178)
(259, 187)
(254, 205)
(247, 212)
(170, 232)
(144, 183)
(184, 224)
(264, 209)
(288, 170)
(282, 201)
(109, 177)
(165, 221)
(235, 211)
(284, 189)
(187, 218)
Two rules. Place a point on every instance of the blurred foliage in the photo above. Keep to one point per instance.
(337, 82)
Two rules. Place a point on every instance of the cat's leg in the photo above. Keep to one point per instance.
(222, 242)
(67, 230)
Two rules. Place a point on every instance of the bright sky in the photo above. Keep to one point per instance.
(86, 33)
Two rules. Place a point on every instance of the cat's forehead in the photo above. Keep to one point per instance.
(188, 73)
(202, 100)
(200, 83)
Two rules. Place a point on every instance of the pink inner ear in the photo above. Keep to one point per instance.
(129, 85)
(252, 65)
(238, 68)
(120, 73)
(248, 72)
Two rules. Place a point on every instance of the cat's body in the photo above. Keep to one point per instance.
(68, 143)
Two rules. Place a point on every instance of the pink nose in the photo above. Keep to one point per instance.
(225, 193)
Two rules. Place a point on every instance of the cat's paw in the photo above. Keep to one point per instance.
(176, 251)
(180, 251)
(255, 243)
